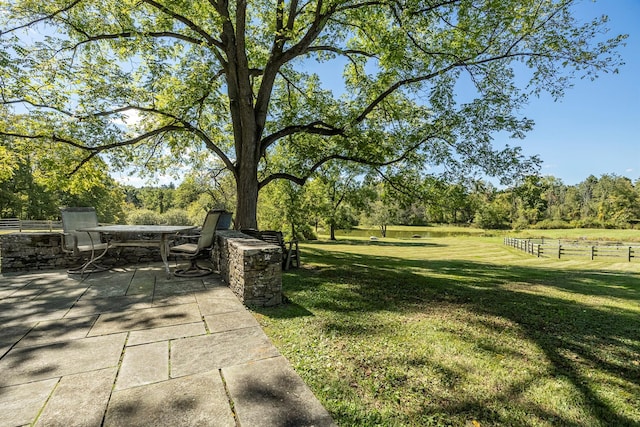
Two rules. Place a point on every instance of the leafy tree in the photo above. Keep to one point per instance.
(555, 197)
(617, 200)
(281, 207)
(381, 215)
(531, 206)
(159, 199)
(37, 184)
(496, 213)
(164, 82)
(338, 195)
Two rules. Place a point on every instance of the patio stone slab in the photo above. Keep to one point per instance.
(79, 400)
(20, 404)
(24, 294)
(144, 364)
(147, 318)
(197, 400)
(215, 351)
(58, 330)
(217, 292)
(20, 314)
(269, 393)
(142, 287)
(230, 321)
(108, 288)
(9, 335)
(27, 364)
(37, 308)
(213, 281)
(219, 305)
(186, 298)
(173, 287)
(166, 333)
(89, 305)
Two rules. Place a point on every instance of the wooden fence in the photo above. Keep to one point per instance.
(559, 249)
(15, 224)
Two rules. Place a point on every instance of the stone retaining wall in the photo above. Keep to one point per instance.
(43, 251)
(252, 268)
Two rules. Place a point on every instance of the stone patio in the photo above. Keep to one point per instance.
(128, 347)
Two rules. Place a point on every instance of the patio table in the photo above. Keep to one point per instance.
(110, 230)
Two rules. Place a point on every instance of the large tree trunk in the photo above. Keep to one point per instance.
(247, 200)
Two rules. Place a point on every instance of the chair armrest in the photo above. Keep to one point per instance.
(69, 240)
(181, 238)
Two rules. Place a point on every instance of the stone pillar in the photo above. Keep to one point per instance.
(252, 268)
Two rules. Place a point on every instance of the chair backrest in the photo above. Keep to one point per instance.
(209, 229)
(273, 237)
(77, 218)
(224, 223)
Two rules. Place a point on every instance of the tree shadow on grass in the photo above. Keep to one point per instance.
(584, 322)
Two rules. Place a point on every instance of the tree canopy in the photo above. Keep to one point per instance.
(160, 82)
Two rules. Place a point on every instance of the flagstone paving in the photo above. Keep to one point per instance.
(129, 347)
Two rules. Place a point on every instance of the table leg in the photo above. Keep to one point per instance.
(164, 249)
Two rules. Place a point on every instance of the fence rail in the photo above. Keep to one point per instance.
(17, 224)
(559, 249)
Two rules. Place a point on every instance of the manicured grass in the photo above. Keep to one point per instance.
(452, 331)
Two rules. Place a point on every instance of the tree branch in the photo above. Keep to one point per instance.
(130, 34)
(315, 128)
(44, 18)
(190, 24)
(354, 159)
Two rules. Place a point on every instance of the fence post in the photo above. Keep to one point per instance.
(630, 254)
(593, 252)
(539, 250)
(559, 250)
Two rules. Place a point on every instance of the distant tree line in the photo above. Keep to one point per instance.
(340, 202)
(334, 198)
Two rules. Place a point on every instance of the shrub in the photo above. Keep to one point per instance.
(305, 232)
(177, 217)
(550, 224)
(144, 216)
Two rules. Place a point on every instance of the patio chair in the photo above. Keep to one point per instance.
(204, 245)
(290, 251)
(80, 242)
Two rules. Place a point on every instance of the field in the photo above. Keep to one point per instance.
(462, 331)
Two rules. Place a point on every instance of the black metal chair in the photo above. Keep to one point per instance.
(204, 245)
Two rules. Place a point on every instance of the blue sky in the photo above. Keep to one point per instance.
(595, 128)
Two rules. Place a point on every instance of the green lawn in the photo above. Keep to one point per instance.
(462, 331)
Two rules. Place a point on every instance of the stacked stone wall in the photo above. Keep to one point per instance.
(43, 251)
(252, 268)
